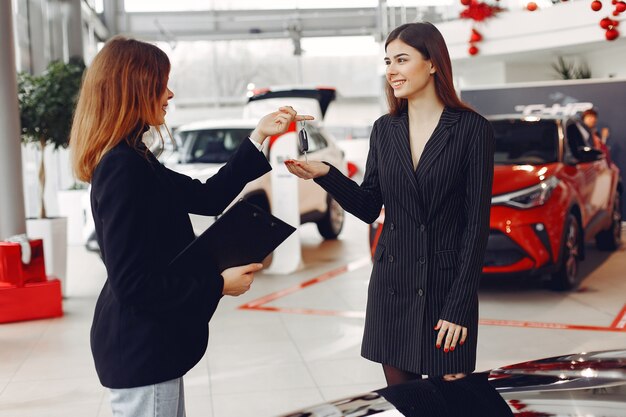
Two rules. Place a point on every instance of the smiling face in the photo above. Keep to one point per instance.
(162, 110)
(408, 73)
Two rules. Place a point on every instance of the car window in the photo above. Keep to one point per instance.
(520, 142)
(576, 137)
(316, 139)
(212, 146)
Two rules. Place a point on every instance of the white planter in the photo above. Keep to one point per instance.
(71, 206)
(53, 231)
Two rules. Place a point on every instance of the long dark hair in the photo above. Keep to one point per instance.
(427, 39)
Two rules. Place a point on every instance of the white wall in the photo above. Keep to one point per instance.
(609, 63)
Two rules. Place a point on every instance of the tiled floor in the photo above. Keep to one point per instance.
(262, 363)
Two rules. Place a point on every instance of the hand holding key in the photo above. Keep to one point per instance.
(276, 123)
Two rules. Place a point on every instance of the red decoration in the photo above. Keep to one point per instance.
(611, 34)
(620, 7)
(596, 5)
(531, 6)
(479, 11)
(476, 36)
(606, 23)
(615, 13)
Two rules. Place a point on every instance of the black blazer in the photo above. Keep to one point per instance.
(430, 254)
(150, 322)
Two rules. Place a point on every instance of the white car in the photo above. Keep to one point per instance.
(204, 147)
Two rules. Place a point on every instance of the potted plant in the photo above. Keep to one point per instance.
(47, 103)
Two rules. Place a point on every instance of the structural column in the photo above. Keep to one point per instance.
(111, 10)
(12, 215)
(74, 37)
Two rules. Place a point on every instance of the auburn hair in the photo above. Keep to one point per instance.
(427, 39)
(120, 94)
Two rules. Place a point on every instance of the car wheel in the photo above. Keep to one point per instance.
(331, 224)
(566, 276)
(610, 239)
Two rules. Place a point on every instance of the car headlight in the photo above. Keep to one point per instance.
(534, 196)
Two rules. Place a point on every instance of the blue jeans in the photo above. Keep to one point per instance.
(166, 399)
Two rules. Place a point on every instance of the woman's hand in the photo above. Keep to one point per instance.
(276, 123)
(307, 170)
(238, 279)
(449, 334)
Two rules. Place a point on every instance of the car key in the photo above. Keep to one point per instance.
(303, 139)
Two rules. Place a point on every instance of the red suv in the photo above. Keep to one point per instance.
(552, 192)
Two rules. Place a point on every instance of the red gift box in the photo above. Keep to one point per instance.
(25, 291)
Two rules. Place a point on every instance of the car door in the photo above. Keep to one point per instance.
(587, 178)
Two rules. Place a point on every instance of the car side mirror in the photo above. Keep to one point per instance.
(588, 154)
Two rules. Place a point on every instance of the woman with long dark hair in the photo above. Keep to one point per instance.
(430, 164)
(150, 324)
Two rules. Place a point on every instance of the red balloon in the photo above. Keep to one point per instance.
(611, 34)
(606, 23)
(596, 5)
(531, 6)
(473, 50)
(620, 7)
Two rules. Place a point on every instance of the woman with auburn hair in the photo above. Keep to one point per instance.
(150, 324)
(430, 164)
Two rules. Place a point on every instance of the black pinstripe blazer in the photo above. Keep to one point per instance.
(430, 255)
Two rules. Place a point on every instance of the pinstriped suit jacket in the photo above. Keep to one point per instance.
(429, 257)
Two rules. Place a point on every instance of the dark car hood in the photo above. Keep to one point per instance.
(587, 384)
(507, 178)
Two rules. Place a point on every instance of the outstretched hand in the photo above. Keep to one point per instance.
(307, 170)
(276, 123)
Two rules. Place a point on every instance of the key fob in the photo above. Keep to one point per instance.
(303, 140)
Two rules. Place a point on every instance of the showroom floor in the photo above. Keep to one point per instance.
(293, 340)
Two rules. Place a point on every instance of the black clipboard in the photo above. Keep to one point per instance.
(244, 234)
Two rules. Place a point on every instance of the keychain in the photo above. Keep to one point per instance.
(303, 140)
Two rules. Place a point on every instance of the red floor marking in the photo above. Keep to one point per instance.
(620, 320)
(354, 265)
(542, 325)
(618, 325)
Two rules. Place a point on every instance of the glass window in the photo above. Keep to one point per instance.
(211, 146)
(182, 5)
(520, 142)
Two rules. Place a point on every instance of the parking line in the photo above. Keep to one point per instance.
(545, 325)
(620, 320)
(618, 325)
(354, 265)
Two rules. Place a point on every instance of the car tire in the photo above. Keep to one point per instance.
(566, 277)
(610, 239)
(331, 224)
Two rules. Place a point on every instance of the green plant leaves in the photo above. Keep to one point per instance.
(47, 102)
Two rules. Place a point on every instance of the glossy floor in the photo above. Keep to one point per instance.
(297, 340)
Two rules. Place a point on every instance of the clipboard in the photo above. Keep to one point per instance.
(244, 234)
